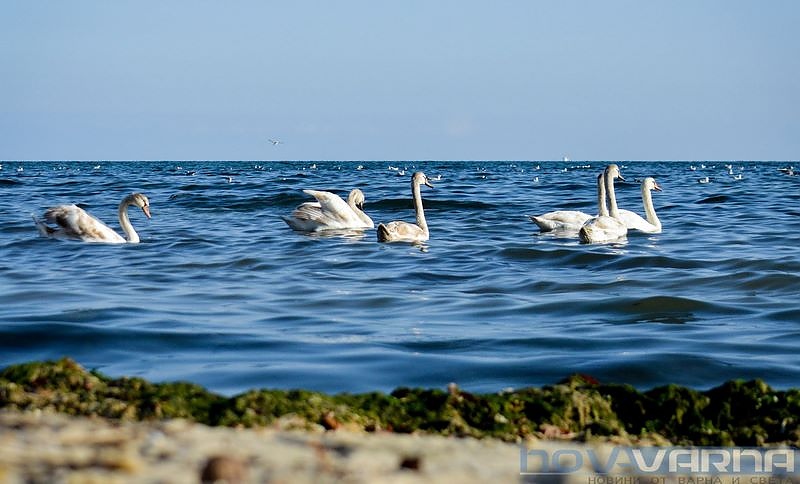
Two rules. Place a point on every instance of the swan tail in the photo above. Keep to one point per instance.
(589, 234)
(296, 224)
(592, 234)
(543, 224)
(383, 233)
(585, 234)
(44, 230)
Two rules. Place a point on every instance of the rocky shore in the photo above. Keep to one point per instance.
(62, 423)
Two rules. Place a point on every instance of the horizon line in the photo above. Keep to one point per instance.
(406, 160)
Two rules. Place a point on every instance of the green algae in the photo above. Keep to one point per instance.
(747, 413)
(64, 386)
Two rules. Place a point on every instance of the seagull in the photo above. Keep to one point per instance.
(275, 142)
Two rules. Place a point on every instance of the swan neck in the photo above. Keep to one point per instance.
(416, 193)
(352, 204)
(362, 215)
(602, 208)
(125, 223)
(612, 198)
(649, 210)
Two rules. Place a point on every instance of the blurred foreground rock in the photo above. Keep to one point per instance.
(46, 447)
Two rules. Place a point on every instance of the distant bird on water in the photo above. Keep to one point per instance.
(275, 142)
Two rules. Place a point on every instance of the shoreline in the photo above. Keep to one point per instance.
(60, 422)
(735, 413)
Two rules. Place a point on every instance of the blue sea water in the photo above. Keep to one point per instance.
(222, 293)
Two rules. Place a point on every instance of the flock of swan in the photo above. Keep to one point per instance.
(330, 212)
(611, 223)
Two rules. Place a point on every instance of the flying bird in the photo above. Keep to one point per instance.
(275, 142)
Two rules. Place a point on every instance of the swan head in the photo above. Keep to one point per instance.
(420, 178)
(141, 201)
(356, 198)
(650, 184)
(612, 172)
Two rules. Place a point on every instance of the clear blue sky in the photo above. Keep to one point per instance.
(400, 80)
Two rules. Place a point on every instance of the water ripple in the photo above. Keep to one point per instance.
(222, 292)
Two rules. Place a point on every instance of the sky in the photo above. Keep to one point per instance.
(399, 80)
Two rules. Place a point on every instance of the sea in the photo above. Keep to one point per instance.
(222, 293)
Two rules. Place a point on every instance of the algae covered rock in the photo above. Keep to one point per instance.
(579, 408)
(66, 387)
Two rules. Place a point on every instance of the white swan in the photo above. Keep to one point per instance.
(605, 228)
(75, 223)
(634, 221)
(569, 220)
(399, 231)
(330, 212)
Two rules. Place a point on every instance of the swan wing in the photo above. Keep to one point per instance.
(310, 204)
(75, 223)
(560, 220)
(329, 212)
(338, 214)
(333, 207)
(306, 218)
(400, 231)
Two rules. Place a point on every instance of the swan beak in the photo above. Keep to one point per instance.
(621, 177)
(146, 210)
(428, 183)
(657, 187)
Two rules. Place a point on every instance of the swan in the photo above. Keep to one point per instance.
(330, 212)
(569, 220)
(75, 223)
(399, 231)
(634, 221)
(605, 228)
